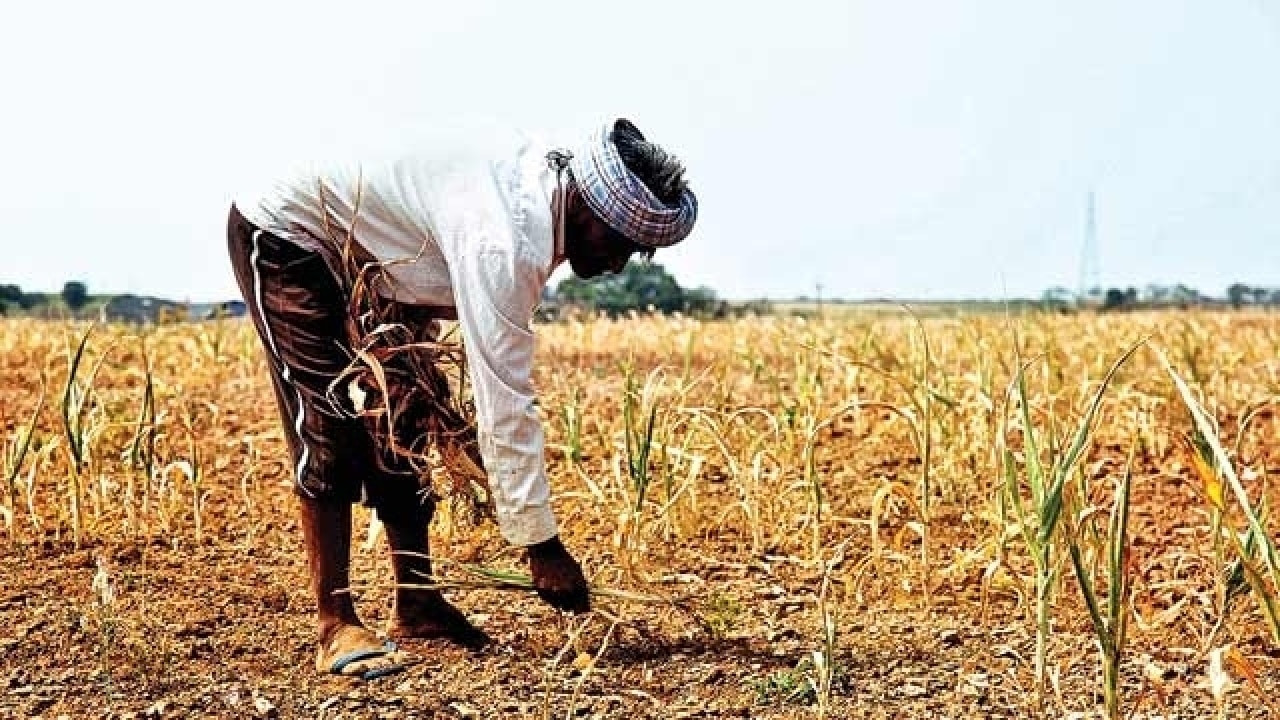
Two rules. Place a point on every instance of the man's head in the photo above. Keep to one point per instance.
(626, 196)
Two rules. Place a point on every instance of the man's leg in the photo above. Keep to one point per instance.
(297, 309)
(345, 645)
(420, 612)
(397, 495)
(326, 531)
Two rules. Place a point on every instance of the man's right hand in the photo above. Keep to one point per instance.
(557, 577)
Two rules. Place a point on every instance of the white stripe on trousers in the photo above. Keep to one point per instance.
(284, 369)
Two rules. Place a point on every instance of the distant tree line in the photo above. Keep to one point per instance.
(75, 301)
(1237, 295)
(74, 297)
(648, 287)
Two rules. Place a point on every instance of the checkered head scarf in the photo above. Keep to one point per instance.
(623, 201)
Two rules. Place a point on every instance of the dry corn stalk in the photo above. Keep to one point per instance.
(407, 381)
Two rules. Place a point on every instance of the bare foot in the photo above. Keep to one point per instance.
(355, 651)
(433, 617)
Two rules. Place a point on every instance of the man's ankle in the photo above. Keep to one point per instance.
(329, 627)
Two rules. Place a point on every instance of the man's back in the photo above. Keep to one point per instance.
(417, 211)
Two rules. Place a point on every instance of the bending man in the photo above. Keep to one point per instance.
(467, 231)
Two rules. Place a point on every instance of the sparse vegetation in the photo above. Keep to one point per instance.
(972, 515)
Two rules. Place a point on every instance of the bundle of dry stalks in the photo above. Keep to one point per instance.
(407, 380)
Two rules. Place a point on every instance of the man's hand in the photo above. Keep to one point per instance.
(557, 576)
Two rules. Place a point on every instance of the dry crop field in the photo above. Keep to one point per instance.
(862, 516)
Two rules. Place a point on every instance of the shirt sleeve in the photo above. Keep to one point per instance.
(497, 285)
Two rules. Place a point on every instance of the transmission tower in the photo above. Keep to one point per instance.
(1090, 272)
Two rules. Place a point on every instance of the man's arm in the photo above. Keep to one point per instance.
(495, 291)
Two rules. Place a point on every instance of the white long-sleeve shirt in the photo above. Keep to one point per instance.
(462, 221)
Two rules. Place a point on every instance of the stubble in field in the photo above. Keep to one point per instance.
(863, 516)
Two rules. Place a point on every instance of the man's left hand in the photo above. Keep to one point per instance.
(557, 577)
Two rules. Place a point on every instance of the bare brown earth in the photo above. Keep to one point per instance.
(209, 612)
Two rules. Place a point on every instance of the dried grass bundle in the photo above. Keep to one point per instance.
(407, 379)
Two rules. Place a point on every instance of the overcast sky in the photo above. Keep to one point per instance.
(907, 149)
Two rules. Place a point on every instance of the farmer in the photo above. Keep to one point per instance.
(338, 258)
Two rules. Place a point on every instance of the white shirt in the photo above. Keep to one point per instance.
(462, 221)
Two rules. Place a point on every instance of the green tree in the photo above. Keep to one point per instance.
(1057, 299)
(1185, 296)
(10, 294)
(75, 294)
(1238, 293)
(640, 286)
(1118, 299)
(702, 301)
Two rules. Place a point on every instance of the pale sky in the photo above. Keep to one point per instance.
(905, 149)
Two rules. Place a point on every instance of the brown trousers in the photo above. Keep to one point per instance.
(300, 313)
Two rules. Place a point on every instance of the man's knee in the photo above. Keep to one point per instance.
(326, 491)
(322, 468)
(398, 499)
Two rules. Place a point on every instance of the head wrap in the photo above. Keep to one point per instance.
(623, 201)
